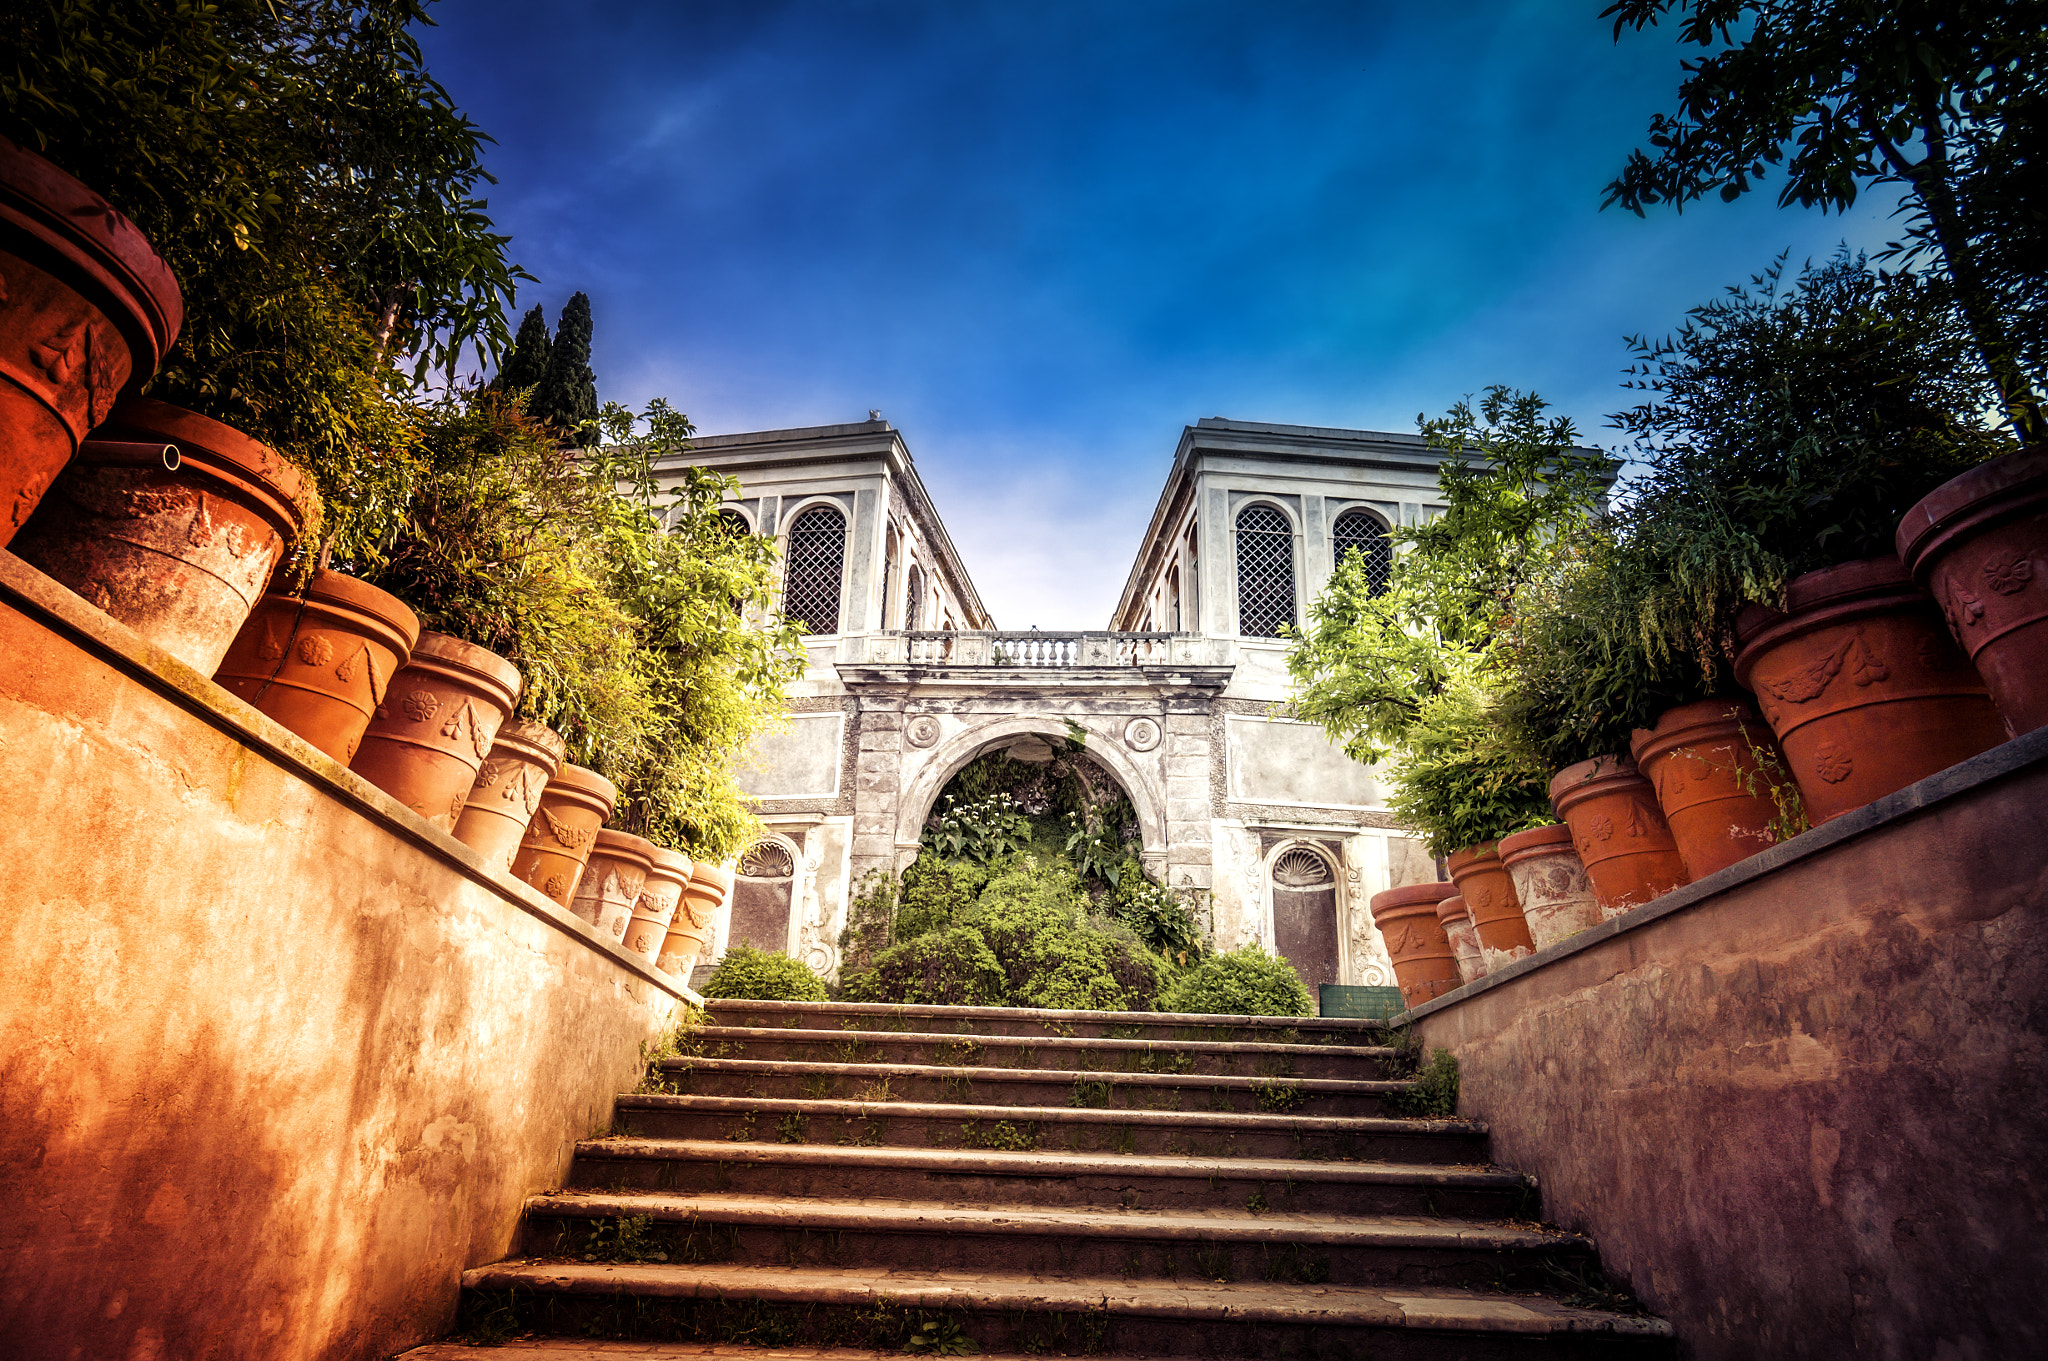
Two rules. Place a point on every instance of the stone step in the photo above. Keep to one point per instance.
(1066, 1129)
(1003, 1177)
(1124, 1025)
(1054, 1052)
(601, 1349)
(1013, 1311)
(1219, 1245)
(881, 1082)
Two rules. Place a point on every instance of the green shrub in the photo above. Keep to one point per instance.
(1245, 982)
(935, 893)
(950, 968)
(764, 976)
(1035, 919)
(1435, 1093)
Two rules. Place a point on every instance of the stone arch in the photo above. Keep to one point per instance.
(951, 756)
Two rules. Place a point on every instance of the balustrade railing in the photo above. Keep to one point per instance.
(1037, 649)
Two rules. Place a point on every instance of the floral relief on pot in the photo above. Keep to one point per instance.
(1551, 880)
(1619, 832)
(1425, 965)
(427, 742)
(1464, 937)
(1979, 544)
(1862, 686)
(611, 882)
(505, 794)
(1490, 897)
(558, 842)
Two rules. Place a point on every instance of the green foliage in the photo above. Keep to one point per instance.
(935, 893)
(624, 610)
(981, 829)
(763, 976)
(527, 363)
(1034, 919)
(870, 912)
(1435, 1093)
(1243, 982)
(1944, 99)
(1168, 921)
(949, 967)
(1787, 427)
(565, 399)
(1417, 669)
(312, 188)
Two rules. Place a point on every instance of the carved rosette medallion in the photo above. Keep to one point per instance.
(1141, 734)
(921, 731)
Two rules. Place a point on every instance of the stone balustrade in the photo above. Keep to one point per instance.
(1034, 650)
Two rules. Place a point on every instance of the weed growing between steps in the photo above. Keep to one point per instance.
(1435, 1093)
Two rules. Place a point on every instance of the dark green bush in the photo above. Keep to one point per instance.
(935, 893)
(1035, 920)
(1435, 1093)
(764, 976)
(950, 968)
(1245, 982)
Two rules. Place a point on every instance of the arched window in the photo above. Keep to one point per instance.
(1365, 531)
(734, 523)
(913, 597)
(1265, 572)
(810, 583)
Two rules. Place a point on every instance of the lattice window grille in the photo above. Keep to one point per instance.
(913, 597)
(1363, 530)
(1300, 868)
(812, 562)
(1265, 572)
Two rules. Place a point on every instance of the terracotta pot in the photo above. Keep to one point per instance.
(1619, 832)
(428, 740)
(1863, 686)
(1464, 938)
(708, 895)
(507, 789)
(558, 840)
(611, 882)
(1425, 965)
(659, 896)
(320, 662)
(86, 310)
(1490, 897)
(1551, 883)
(176, 545)
(1713, 764)
(1979, 544)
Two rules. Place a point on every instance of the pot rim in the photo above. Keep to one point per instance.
(1583, 773)
(475, 665)
(1729, 716)
(714, 876)
(65, 214)
(1834, 595)
(1478, 853)
(1410, 896)
(1542, 840)
(365, 607)
(671, 864)
(207, 448)
(1446, 914)
(622, 845)
(1995, 491)
(582, 785)
(533, 739)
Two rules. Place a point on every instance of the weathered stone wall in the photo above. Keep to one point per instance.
(1801, 1104)
(277, 1060)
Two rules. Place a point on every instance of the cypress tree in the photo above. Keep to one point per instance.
(567, 395)
(527, 364)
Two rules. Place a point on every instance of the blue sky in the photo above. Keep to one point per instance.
(1041, 236)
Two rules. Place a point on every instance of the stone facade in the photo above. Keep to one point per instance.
(1183, 698)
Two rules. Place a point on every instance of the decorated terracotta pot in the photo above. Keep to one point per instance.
(428, 740)
(1619, 832)
(172, 523)
(1425, 965)
(87, 309)
(660, 895)
(319, 660)
(1979, 544)
(1714, 766)
(612, 879)
(1863, 685)
(506, 792)
(1490, 897)
(1551, 883)
(1464, 938)
(558, 841)
(708, 899)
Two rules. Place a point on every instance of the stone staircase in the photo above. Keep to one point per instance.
(947, 1179)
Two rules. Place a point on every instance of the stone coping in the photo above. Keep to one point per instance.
(1965, 777)
(127, 652)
